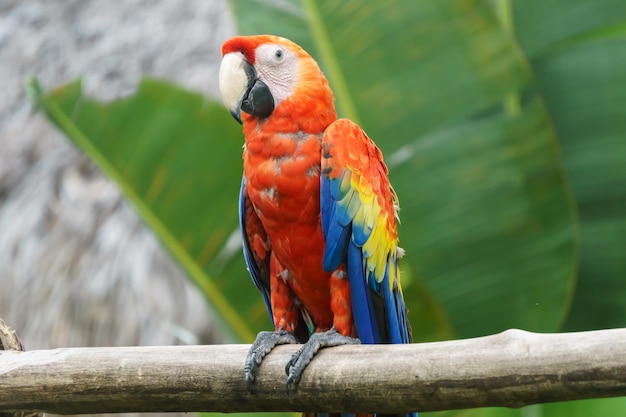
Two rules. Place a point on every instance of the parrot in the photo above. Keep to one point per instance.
(318, 215)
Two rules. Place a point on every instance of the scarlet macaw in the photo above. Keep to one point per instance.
(317, 212)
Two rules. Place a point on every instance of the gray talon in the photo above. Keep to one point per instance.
(299, 360)
(264, 343)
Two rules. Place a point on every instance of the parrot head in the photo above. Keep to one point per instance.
(265, 75)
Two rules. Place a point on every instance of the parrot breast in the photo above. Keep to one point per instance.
(282, 172)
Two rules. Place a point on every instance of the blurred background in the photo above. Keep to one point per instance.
(503, 123)
(77, 265)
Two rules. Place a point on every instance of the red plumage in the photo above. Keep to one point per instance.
(282, 177)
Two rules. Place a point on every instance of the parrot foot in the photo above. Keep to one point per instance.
(264, 343)
(299, 361)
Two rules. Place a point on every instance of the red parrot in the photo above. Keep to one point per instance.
(317, 212)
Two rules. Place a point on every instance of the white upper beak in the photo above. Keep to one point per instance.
(233, 82)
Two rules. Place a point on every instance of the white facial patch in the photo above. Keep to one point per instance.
(277, 67)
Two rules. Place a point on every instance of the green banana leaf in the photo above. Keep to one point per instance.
(578, 54)
(487, 119)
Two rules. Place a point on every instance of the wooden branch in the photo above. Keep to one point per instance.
(8, 338)
(511, 369)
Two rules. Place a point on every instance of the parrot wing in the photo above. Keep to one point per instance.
(256, 248)
(359, 213)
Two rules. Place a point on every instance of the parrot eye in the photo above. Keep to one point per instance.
(278, 55)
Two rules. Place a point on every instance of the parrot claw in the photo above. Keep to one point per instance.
(300, 360)
(264, 343)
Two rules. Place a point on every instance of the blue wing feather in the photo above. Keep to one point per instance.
(361, 297)
(336, 237)
(361, 232)
(394, 331)
(260, 276)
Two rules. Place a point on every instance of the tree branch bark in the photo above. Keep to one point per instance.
(511, 369)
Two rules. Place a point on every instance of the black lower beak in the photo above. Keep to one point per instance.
(258, 100)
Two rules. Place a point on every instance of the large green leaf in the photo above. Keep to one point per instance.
(487, 200)
(586, 408)
(541, 25)
(578, 53)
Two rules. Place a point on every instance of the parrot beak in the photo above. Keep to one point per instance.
(241, 88)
